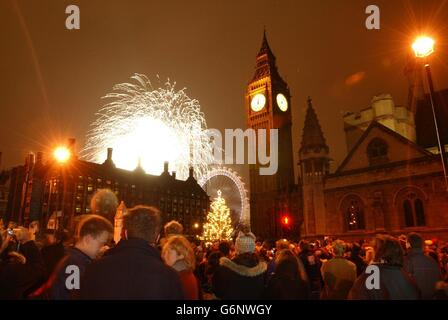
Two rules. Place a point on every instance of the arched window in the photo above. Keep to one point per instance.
(408, 216)
(414, 212)
(353, 211)
(377, 152)
(419, 212)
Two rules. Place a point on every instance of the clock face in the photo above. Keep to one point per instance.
(282, 103)
(258, 102)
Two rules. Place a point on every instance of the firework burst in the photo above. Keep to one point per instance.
(151, 125)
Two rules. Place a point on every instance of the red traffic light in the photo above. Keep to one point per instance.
(286, 220)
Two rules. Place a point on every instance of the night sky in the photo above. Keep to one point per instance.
(52, 79)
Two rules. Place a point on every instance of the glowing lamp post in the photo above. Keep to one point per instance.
(62, 155)
(423, 47)
(196, 229)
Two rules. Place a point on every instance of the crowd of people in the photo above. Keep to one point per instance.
(87, 264)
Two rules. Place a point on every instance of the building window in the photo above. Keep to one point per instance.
(377, 152)
(354, 216)
(353, 210)
(419, 212)
(413, 210)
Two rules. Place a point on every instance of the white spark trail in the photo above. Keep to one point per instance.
(153, 125)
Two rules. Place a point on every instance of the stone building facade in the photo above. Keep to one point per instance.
(391, 180)
(39, 190)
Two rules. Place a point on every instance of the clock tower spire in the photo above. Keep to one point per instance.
(268, 107)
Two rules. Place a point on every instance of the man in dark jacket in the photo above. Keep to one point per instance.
(422, 268)
(312, 266)
(356, 258)
(243, 277)
(93, 232)
(134, 268)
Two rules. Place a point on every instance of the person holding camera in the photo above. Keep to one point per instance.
(21, 265)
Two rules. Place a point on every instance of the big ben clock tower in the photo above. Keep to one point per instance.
(268, 107)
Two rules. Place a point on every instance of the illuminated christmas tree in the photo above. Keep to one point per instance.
(219, 225)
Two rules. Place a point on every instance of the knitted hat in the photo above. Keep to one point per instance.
(245, 242)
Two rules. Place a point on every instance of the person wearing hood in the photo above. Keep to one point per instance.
(241, 278)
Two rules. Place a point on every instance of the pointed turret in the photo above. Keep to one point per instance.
(139, 169)
(265, 49)
(266, 65)
(312, 136)
(315, 166)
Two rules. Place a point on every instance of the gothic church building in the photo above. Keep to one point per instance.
(387, 183)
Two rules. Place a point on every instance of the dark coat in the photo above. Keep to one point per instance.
(360, 264)
(424, 270)
(281, 287)
(18, 280)
(312, 266)
(239, 279)
(131, 270)
(52, 254)
(395, 284)
(55, 288)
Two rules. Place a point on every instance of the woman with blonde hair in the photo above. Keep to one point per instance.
(178, 254)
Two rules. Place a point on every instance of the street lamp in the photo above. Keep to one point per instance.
(196, 229)
(423, 47)
(62, 154)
